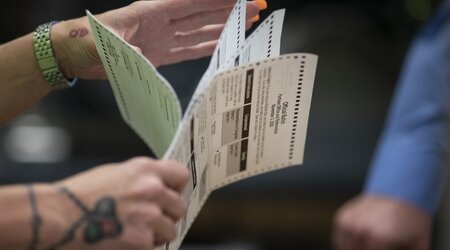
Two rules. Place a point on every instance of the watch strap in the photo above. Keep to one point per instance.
(46, 59)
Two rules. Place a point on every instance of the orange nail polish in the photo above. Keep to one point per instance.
(262, 4)
(255, 18)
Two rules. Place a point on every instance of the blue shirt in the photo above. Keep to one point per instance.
(410, 162)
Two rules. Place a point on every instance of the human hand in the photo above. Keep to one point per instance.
(165, 31)
(378, 223)
(131, 205)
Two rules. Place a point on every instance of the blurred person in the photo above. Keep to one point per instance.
(407, 177)
(129, 205)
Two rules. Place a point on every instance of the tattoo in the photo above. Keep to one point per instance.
(78, 33)
(36, 220)
(101, 222)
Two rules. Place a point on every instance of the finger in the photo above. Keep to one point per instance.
(253, 9)
(262, 4)
(173, 174)
(160, 226)
(189, 53)
(249, 24)
(135, 48)
(204, 34)
(201, 19)
(182, 8)
(163, 227)
(219, 16)
(172, 204)
(153, 190)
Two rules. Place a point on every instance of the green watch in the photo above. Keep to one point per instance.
(46, 59)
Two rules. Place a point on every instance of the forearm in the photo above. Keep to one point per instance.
(21, 82)
(17, 214)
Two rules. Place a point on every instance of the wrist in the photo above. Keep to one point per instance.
(55, 212)
(62, 47)
(74, 49)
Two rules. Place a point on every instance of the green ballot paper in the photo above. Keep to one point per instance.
(146, 101)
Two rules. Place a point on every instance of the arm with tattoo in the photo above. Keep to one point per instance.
(129, 205)
(30, 216)
(44, 217)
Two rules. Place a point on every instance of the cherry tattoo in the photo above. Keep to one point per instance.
(78, 33)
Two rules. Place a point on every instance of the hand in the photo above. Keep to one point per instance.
(165, 31)
(379, 223)
(146, 195)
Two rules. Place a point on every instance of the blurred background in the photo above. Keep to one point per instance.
(361, 46)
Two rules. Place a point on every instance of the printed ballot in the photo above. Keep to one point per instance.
(248, 114)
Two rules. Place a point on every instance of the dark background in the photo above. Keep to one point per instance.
(361, 46)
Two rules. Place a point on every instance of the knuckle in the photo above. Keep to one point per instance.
(176, 215)
(169, 233)
(141, 162)
(159, 192)
(155, 187)
(150, 187)
(133, 213)
(170, 163)
(139, 159)
(180, 169)
(154, 214)
(184, 174)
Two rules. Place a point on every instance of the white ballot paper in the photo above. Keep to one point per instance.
(248, 115)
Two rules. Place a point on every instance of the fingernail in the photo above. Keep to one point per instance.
(262, 4)
(255, 18)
